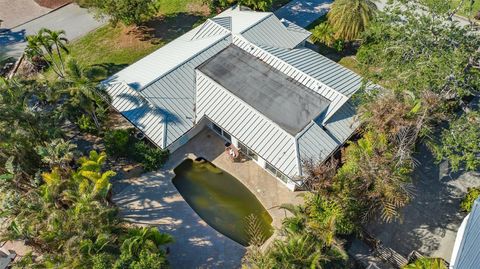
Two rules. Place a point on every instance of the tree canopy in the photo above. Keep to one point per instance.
(126, 11)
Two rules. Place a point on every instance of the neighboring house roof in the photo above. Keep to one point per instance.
(285, 103)
(466, 254)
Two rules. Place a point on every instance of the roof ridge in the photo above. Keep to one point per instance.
(206, 30)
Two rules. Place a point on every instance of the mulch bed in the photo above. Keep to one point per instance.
(53, 4)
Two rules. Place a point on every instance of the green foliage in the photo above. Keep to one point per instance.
(48, 45)
(323, 33)
(258, 5)
(427, 263)
(57, 153)
(86, 124)
(26, 120)
(70, 221)
(349, 18)
(407, 50)
(126, 11)
(116, 142)
(150, 157)
(374, 176)
(467, 202)
(309, 238)
(460, 142)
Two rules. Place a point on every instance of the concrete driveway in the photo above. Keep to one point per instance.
(430, 222)
(152, 199)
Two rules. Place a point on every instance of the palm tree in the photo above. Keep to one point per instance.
(84, 90)
(144, 237)
(298, 251)
(57, 40)
(89, 177)
(349, 18)
(323, 33)
(48, 45)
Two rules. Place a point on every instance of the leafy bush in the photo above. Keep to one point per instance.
(71, 222)
(86, 124)
(467, 202)
(150, 157)
(126, 11)
(259, 5)
(427, 263)
(116, 142)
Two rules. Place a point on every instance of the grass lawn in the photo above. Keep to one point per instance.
(113, 46)
(117, 47)
(464, 11)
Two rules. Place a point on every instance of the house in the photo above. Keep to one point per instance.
(247, 76)
(466, 250)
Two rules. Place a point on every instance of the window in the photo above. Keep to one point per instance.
(271, 169)
(252, 155)
(276, 173)
(227, 136)
(247, 151)
(217, 129)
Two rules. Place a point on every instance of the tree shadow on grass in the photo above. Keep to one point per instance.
(166, 28)
(110, 69)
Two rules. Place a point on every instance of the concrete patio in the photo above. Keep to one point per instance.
(152, 199)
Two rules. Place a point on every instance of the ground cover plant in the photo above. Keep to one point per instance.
(54, 199)
(122, 143)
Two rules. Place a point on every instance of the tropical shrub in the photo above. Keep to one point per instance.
(259, 5)
(427, 263)
(309, 238)
(467, 202)
(460, 142)
(67, 217)
(116, 142)
(150, 157)
(86, 124)
(375, 178)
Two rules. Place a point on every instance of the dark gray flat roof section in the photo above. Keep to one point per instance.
(277, 96)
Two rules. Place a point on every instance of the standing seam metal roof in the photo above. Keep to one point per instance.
(246, 124)
(468, 255)
(268, 31)
(158, 93)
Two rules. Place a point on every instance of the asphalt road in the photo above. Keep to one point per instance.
(74, 20)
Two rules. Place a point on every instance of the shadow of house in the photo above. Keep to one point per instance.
(430, 222)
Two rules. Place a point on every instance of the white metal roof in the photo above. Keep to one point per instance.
(466, 251)
(161, 94)
(242, 121)
(268, 31)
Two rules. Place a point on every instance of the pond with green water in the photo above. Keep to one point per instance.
(220, 199)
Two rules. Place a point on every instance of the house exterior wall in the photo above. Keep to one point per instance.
(240, 145)
(182, 140)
